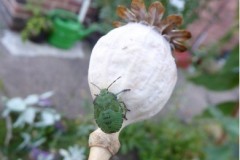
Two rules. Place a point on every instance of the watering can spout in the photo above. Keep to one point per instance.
(85, 32)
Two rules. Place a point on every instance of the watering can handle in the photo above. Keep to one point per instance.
(63, 14)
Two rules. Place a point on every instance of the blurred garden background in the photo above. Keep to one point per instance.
(46, 108)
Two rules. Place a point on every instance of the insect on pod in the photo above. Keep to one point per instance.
(109, 111)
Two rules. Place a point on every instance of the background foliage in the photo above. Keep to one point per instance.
(213, 135)
(107, 11)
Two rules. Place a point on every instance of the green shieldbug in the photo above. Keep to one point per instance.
(109, 111)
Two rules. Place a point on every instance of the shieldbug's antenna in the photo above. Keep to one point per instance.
(96, 86)
(113, 82)
(125, 90)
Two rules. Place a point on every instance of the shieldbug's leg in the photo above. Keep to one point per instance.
(125, 110)
(125, 107)
(95, 98)
(124, 116)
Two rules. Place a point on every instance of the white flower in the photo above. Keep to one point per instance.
(5, 112)
(27, 112)
(27, 141)
(48, 117)
(73, 153)
(16, 104)
(27, 116)
(46, 95)
(31, 99)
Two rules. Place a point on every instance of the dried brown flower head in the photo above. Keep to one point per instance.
(153, 17)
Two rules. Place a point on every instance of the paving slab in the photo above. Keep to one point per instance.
(24, 75)
(189, 100)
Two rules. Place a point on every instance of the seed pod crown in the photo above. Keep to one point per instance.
(154, 17)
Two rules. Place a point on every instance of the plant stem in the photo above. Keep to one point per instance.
(9, 131)
(99, 153)
(103, 145)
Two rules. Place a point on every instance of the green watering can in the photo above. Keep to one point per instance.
(67, 30)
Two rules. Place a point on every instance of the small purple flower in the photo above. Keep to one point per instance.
(60, 126)
(44, 102)
(38, 154)
(44, 99)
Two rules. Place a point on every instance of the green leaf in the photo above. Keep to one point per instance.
(225, 109)
(230, 124)
(232, 62)
(225, 79)
(218, 153)
(217, 82)
(2, 132)
(228, 108)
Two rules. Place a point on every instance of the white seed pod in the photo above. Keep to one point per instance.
(143, 59)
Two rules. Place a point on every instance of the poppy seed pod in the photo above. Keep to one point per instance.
(143, 59)
(140, 52)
